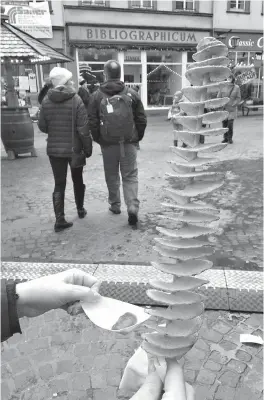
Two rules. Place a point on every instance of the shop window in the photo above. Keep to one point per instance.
(163, 80)
(97, 55)
(189, 57)
(99, 3)
(143, 4)
(158, 56)
(232, 57)
(133, 76)
(242, 57)
(133, 56)
(91, 65)
(185, 5)
(238, 6)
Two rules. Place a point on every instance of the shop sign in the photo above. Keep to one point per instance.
(247, 42)
(23, 83)
(93, 34)
(32, 82)
(33, 18)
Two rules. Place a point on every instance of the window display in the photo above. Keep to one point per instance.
(163, 81)
(91, 65)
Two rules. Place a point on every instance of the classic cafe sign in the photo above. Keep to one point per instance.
(134, 35)
(246, 42)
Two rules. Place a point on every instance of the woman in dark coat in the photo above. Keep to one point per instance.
(233, 92)
(84, 92)
(58, 108)
(44, 91)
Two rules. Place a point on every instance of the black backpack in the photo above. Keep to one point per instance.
(116, 118)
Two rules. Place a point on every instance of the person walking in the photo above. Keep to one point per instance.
(83, 91)
(117, 122)
(64, 118)
(233, 92)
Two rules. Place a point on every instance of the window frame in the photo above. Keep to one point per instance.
(93, 3)
(184, 6)
(245, 10)
(142, 7)
(237, 8)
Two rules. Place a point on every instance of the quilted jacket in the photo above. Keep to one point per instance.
(55, 118)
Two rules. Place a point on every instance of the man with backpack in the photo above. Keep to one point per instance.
(117, 122)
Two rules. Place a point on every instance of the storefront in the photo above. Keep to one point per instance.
(155, 60)
(33, 18)
(249, 50)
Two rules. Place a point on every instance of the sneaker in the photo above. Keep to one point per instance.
(115, 210)
(132, 219)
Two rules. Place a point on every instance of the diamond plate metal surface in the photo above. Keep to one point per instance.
(250, 280)
(245, 300)
(216, 299)
(129, 273)
(216, 277)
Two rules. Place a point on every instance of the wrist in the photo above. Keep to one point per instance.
(22, 299)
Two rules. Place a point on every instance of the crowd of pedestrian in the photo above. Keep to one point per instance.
(112, 116)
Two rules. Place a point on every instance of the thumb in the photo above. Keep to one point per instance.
(80, 293)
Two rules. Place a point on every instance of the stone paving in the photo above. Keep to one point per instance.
(68, 358)
(27, 214)
(64, 357)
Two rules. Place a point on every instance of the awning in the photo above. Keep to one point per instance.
(23, 47)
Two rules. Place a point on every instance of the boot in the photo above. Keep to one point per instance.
(58, 204)
(79, 200)
(230, 138)
(132, 216)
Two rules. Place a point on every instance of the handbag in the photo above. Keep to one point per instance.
(224, 109)
(78, 159)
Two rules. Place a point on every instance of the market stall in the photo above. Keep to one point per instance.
(18, 47)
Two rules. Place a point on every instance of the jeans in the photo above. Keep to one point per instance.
(228, 123)
(59, 167)
(128, 167)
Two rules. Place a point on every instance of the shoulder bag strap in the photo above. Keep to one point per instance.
(73, 121)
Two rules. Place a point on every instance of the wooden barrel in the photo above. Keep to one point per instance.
(17, 130)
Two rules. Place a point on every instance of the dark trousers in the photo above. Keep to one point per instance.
(228, 123)
(59, 167)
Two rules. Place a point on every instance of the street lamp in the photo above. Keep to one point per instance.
(234, 40)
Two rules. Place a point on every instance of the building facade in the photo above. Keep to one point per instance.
(153, 41)
(244, 20)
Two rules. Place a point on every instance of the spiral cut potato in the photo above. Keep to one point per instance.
(183, 249)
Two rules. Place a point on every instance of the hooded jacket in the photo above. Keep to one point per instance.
(111, 88)
(57, 111)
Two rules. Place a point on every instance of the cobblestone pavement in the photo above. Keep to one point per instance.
(68, 358)
(27, 214)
